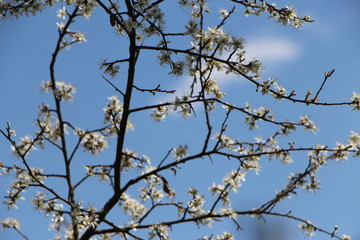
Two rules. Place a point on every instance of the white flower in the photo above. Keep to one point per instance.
(224, 13)
(308, 123)
(341, 152)
(10, 223)
(25, 145)
(160, 231)
(112, 109)
(180, 152)
(211, 86)
(177, 68)
(160, 113)
(127, 159)
(165, 57)
(132, 207)
(225, 236)
(196, 203)
(63, 91)
(346, 237)
(62, 13)
(308, 228)
(94, 142)
(234, 179)
(79, 37)
(355, 99)
(109, 68)
(60, 25)
(354, 139)
(215, 189)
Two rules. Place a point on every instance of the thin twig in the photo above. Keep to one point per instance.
(116, 89)
(327, 76)
(155, 90)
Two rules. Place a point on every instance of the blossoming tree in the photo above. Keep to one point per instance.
(141, 186)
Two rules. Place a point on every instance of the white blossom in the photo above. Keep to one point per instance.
(354, 139)
(234, 179)
(160, 113)
(63, 91)
(94, 142)
(355, 99)
(308, 228)
(346, 237)
(10, 223)
(181, 151)
(308, 123)
(160, 231)
(62, 13)
(78, 37)
(60, 25)
(132, 207)
(224, 13)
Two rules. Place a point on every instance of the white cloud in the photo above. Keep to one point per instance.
(270, 49)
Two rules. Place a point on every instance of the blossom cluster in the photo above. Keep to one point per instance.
(160, 231)
(129, 160)
(25, 146)
(132, 207)
(224, 236)
(112, 114)
(160, 113)
(232, 181)
(22, 182)
(49, 125)
(151, 192)
(151, 21)
(10, 223)
(286, 15)
(181, 106)
(196, 207)
(62, 91)
(356, 101)
(211, 48)
(17, 8)
(94, 142)
(109, 68)
(102, 172)
(308, 228)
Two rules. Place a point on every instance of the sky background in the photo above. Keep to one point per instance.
(297, 58)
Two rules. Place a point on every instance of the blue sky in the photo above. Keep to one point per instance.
(297, 58)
